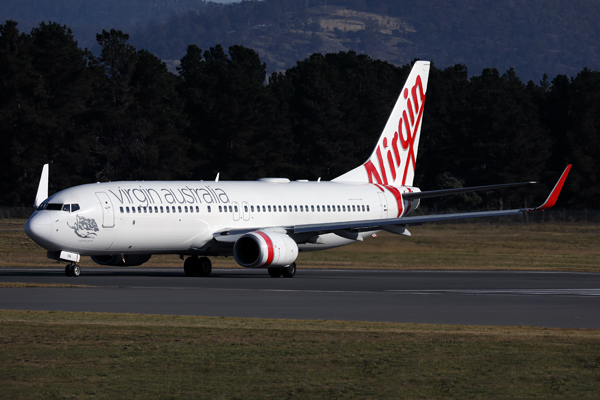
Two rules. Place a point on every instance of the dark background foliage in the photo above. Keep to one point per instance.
(119, 114)
(532, 36)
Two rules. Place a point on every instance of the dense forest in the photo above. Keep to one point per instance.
(532, 36)
(120, 114)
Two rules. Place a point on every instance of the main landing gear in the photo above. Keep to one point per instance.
(194, 266)
(286, 272)
(72, 270)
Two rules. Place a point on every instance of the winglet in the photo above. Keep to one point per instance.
(42, 192)
(551, 200)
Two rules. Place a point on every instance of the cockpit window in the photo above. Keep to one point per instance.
(54, 207)
(66, 207)
(74, 207)
(42, 206)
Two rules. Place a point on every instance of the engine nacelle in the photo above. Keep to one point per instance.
(131, 260)
(265, 249)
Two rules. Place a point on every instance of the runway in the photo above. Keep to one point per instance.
(550, 299)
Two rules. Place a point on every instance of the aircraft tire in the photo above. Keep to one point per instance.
(289, 271)
(190, 266)
(68, 271)
(76, 271)
(275, 272)
(203, 266)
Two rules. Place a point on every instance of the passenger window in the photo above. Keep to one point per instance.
(133, 210)
(264, 209)
(328, 208)
(145, 210)
(236, 209)
(156, 209)
(269, 208)
(312, 208)
(301, 209)
(353, 209)
(251, 208)
(318, 208)
(168, 209)
(161, 209)
(368, 208)
(185, 208)
(179, 208)
(127, 209)
(296, 208)
(284, 208)
(197, 209)
(139, 209)
(121, 208)
(208, 208)
(191, 209)
(220, 209)
(339, 208)
(150, 209)
(245, 208)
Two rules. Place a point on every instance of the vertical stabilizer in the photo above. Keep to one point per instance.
(42, 192)
(394, 158)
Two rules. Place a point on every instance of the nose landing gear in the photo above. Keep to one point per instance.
(72, 270)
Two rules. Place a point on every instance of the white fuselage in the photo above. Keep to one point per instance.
(182, 217)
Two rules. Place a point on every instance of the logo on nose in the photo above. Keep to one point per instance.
(85, 228)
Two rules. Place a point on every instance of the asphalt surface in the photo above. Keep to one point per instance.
(559, 299)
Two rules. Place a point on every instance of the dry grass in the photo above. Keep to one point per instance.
(45, 285)
(83, 355)
(557, 247)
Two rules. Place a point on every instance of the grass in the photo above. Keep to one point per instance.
(84, 355)
(556, 247)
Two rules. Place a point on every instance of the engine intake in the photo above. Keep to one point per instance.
(131, 260)
(265, 249)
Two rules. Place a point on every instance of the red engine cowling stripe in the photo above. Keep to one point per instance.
(271, 252)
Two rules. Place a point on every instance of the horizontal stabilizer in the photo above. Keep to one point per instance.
(448, 192)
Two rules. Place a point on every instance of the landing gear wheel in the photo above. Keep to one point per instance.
(275, 272)
(189, 266)
(204, 266)
(289, 271)
(72, 270)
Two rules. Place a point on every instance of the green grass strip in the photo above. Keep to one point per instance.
(96, 355)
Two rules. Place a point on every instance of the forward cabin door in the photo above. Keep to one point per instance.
(108, 214)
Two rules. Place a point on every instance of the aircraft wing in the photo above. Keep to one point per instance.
(377, 224)
(395, 224)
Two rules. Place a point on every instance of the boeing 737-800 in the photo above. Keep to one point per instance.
(264, 223)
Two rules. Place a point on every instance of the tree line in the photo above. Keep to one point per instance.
(121, 115)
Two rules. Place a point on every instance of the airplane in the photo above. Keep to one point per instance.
(263, 223)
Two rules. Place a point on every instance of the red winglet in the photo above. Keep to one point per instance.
(551, 200)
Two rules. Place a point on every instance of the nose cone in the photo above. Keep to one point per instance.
(39, 228)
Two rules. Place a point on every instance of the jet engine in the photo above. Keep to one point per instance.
(131, 260)
(265, 249)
